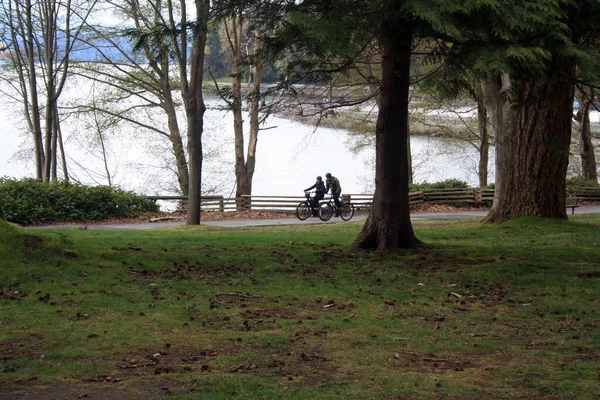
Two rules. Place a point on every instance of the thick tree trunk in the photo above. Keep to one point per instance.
(533, 159)
(388, 225)
(586, 148)
(195, 108)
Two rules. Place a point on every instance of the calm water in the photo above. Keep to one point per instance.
(289, 156)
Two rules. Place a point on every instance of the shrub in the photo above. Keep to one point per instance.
(446, 184)
(581, 182)
(29, 201)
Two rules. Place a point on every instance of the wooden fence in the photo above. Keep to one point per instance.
(586, 193)
(213, 203)
(360, 201)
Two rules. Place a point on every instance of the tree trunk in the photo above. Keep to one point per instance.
(388, 225)
(55, 128)
(484, 141)
(586, 148)
(63, 156)
(32, 108)
(409, 157)
(49, 139)
(254, 108)
(244, 163)
(168, 106)
(532, 174)
(496, 94)
(233, 29)
(195, 108)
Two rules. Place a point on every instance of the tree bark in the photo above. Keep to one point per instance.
(233, 28)
(32, 108)
(586, 148)
(195, 108)
(484, 141)
(168, 105)
(532, 151)
(254, 108)
(496, 97)
(245, 164)
(388, 225)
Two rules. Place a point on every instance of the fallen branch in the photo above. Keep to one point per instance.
(242, 367)
(436, 360)
(161, 219)
(235, 294)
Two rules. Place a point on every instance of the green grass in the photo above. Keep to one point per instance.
(501, 311)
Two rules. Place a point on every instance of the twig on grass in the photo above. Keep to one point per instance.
(235, 294)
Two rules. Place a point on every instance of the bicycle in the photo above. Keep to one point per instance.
(345, 211)
(305, 209)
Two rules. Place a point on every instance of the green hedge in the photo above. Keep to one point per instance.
(2, 218)
(447, 184)
(28, 201)
(580, 181)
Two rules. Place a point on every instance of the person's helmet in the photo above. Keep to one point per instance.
(328, 174)
(319, 178)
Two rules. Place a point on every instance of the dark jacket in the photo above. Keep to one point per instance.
(334, 184)
(319, 187)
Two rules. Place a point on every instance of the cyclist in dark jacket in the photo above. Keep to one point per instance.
(319, 187)
(333, 183)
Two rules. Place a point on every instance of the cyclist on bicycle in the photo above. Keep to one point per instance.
(333, 183)
(319, 187)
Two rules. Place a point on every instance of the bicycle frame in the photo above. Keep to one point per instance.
(305, 209)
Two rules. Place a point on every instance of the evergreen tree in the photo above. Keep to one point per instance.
(323, 40)
(215, 55)
(526, 53)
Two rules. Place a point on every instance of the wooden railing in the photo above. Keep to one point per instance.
(214, 203)
(360, 201)
(586, 193)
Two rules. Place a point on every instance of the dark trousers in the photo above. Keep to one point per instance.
(336, 199)
(316, 199)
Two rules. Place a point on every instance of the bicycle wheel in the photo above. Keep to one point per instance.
(347, 211)
(325, 211)
(303, 211)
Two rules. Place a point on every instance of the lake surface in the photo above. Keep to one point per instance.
(289, 156)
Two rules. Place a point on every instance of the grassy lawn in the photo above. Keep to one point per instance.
(506, 311)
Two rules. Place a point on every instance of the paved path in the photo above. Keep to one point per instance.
(237, 223)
